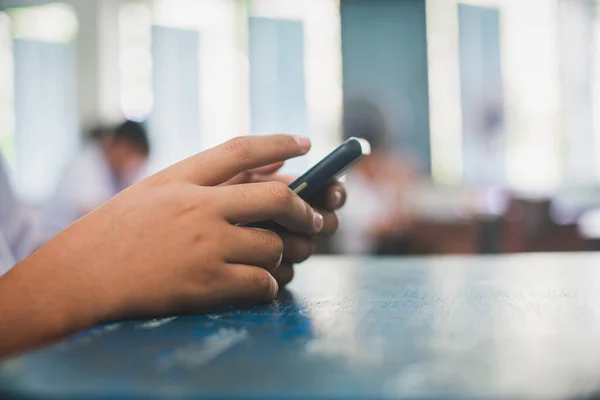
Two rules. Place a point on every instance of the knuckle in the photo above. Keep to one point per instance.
(280, 193)
(239, 147)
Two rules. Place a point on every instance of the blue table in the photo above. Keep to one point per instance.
(461, 327)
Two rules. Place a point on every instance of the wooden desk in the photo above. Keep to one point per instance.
(505, 326)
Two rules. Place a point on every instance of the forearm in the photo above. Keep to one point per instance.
(42, 299)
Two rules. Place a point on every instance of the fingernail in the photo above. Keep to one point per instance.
(317, 221)
(303, 142)
(274, 287)
(337, 198)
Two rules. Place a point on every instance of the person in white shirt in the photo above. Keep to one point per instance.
(377, 216)
(170, 244)
(110, 161)
(17, 232)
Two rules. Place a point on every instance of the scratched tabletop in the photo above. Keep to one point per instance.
(525, 326)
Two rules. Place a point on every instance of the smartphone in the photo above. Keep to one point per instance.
(332, 166)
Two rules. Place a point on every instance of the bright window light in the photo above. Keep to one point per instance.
(596, 90)
(532, 89)
(54, 22)
(7, 111)
(531, 78)
(322, 64)
(135, 60)
(223, 75)
(445, 118)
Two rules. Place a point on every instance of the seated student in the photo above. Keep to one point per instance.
(17, 230)
(110, 161)
(377, 216)
(170, 244)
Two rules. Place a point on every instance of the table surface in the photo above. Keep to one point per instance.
(453, 327)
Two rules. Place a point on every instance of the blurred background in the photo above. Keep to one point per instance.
(484, 115)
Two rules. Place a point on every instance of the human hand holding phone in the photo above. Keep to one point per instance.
(297, 247)
(168, 245)
(321, 189)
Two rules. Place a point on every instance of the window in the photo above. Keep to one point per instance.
(445, 119)
(312, 27)
(45, 117)
(135, 60)
(530, 62)
(532, 89)
(199, 77)
(7, 110)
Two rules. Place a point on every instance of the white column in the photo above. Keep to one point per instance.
(531, 72)
(576, 31)
(445, 115)
(97, 61)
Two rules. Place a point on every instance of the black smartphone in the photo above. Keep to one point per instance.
(332, 166)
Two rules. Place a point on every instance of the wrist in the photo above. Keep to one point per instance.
(44, 299)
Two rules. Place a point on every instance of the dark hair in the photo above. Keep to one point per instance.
(134, 134)
(97, 132)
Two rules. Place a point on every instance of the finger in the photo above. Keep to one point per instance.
(332, 197)
(269, 169)
(246, 284)
(284, 274)
(331, 222)
(243, 153)
(258, 247)
(296, 248)
(242, 177)
(269, 201)
(286, 179)
(246, 176)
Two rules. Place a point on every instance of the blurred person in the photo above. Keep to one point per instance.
(110, 161)
(169, 245)
(17, 230)
(377, 216)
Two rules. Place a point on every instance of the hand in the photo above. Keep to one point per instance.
(168, 245)
(297, 247)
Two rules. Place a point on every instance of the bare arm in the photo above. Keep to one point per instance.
(40, 302)
(168, 245)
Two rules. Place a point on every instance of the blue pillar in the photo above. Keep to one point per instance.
(384, 52)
